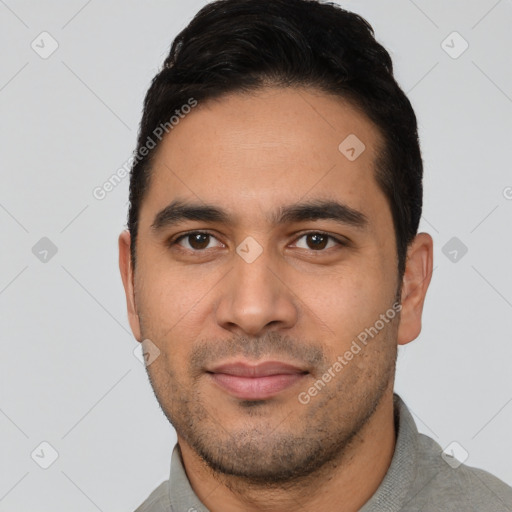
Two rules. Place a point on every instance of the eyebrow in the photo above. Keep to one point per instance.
(180, 211)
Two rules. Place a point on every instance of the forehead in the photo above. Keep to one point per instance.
(251, 152)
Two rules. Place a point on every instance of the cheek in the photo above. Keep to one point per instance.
(348, 302)
(168, 294)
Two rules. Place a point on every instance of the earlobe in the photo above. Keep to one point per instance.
(417, 275)
(127, 276)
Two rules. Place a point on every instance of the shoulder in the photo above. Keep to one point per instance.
(443, 481)
(157, 501)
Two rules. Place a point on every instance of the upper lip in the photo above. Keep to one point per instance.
(264, 369)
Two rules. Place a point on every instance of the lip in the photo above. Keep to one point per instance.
(256, 382)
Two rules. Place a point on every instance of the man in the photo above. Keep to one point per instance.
(272, 266)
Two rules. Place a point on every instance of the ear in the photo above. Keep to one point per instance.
(125, 266)
(417, 275)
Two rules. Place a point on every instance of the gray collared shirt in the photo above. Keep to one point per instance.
(418, 479)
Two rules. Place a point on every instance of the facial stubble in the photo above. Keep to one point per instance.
(275, 445)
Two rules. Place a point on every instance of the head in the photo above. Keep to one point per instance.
(275, 199)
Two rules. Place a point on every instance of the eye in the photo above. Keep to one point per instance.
(196, 240)
(318, 241)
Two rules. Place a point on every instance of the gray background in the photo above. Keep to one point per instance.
(69, 376)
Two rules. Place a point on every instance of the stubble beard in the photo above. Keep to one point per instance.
(304, 443)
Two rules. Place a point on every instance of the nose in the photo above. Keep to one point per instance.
(256, 298)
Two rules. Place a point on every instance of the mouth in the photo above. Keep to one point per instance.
(256, 382)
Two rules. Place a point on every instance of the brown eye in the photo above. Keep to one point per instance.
(318, 241)
(199, 241)
(195, 241)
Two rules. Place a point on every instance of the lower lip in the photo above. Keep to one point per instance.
(255, 388)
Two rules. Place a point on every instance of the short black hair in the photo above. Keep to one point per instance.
(245, 45)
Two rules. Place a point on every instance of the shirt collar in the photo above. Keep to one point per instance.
(392, 491)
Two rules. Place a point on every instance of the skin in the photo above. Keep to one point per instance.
(251, 154)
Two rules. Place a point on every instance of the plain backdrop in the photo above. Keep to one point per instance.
(68, 121)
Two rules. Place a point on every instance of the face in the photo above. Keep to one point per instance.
(257, 296)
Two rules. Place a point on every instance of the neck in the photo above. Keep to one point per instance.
(344, 485)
